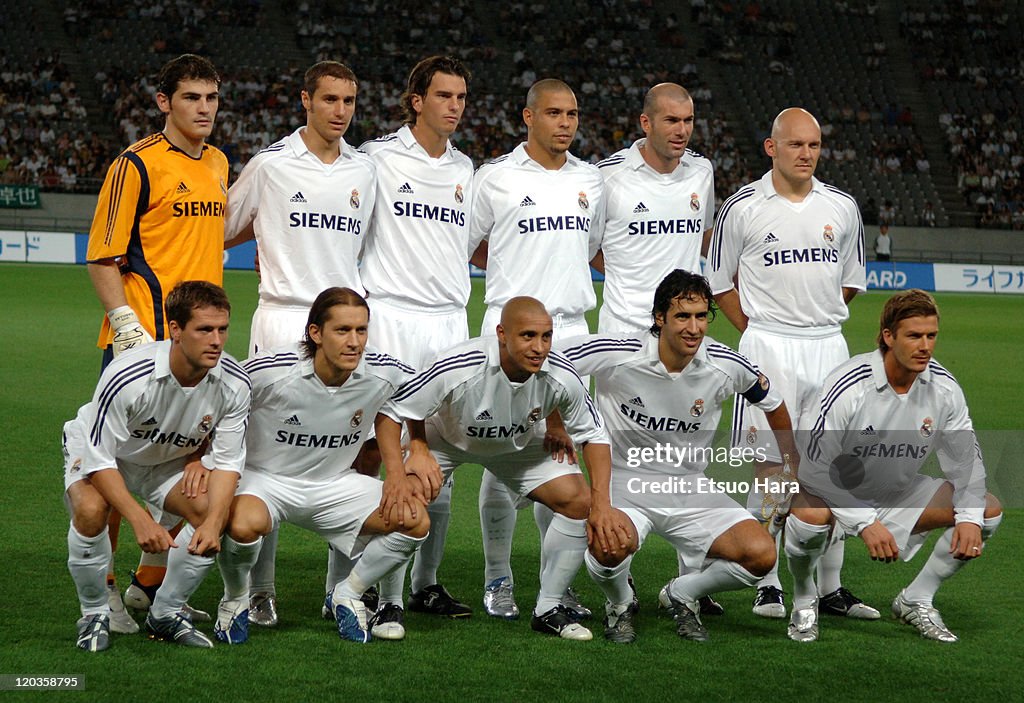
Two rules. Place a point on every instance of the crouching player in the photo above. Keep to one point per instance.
(661, 393)
(153, 407)
(313, 408)
(882, 415)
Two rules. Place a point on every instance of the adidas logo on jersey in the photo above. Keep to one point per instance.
(869, 430)
(640, 208)
(182, 189)
(293, 420)
(150, 421)
(527, 202)
(637, 402)
(405, 188)
(484, 416)
(771, 238)
(298, 198)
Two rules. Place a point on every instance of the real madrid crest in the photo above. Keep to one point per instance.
(584, 203)
(206, 424)
(533, 417)
(926, 427)
(752, 435)
(698, 407)
(353, 199)
(357, 418)
(828, 234)
(694, 202)
(459, 197)
(77, 466)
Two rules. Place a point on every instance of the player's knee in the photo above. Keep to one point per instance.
(249, 519)
(812, 515)
(993, 508)
(89, 512)
(761, 557)
(578, 508)
(611, 558)
(418, 527)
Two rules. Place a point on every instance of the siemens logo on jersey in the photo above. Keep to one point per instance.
(423, 211)
(495, 432)
(319, 441)
(901, 450)
(658, 424)
(157, 436)
(205, 208)
(800, 256)
(554, 224)
(667, 227)
(320, 220)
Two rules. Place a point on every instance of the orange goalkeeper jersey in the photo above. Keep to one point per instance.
(161, 216)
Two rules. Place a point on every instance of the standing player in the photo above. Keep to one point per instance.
(312, 410)
(307, 200)
(882, 415)
(663, 389)
(159, 220)
(794, 246)
(660, 206)
(485, 400)
(537, 218)
(152, 408)
(416, 274)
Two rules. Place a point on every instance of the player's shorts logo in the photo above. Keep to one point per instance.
(694, 202)
(459, 197)
(828, 235)
(698, 407)
(533, 417)
(206, 424)
(354, 199)
(752, 435)
(926, 427)
(77, 466)
(357, 418)
(584, 203)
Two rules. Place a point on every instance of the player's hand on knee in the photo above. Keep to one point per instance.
(194, 480)
(398, 501)
(609, 528)
(966, 542)
(559, 445)
(424, 467)
(128, 331)
(880, 542)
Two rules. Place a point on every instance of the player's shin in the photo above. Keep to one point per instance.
(612, 580)
(716, 576)
(428, 559)
(185, 571)
(87, 561)
(564, 544)
(383, 555)
(805, 544)
(497, 524)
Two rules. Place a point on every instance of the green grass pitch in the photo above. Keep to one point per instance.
(49, 319)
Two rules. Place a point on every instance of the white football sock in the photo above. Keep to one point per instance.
(564, 544)
(235, 561)
(428, 559)
(612, 580)
(392, 584)
(264, 570)
(497, 525)
(185, 572)
(542, 515)
(719, 575)
(941, 565)
(772, 577)
(382, 555)
(805, 544)
(87, 561)
(339, 566)
(829, 567)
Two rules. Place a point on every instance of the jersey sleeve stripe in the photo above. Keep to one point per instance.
(260, 362)
(939, 370)
(848, 381)
(237, 371)
(564, 364)
(376, 359)
(716, 243)
(121, 380)
(452, 363)
(610, 161)
(737, 420)
(602, 345)
(856, 374)
(114, 202)
(722, 352)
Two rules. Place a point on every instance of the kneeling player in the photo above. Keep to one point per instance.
(485, 401)
(661, 394)
(152, 408)
(312, 410)
(882, 414)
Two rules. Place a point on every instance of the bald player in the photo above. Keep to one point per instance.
(786, 257)
(484, 402)
(537, 221)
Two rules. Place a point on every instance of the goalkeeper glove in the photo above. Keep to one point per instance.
(128, 331)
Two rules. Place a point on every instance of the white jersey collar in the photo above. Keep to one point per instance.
(408, 140)
(879, 377)
(522, 158)
(299, 148)
(493, 351)
(769, 187)
(162, 361)
(635, 160)
(307, 371)
(654, 357)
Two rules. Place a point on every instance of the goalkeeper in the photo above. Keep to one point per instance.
(159, 221)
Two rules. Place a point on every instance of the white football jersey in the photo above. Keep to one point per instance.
(476, 408)
(869, 442)
(792, 259)
(300, 427)
(140, 415)
(310, 218)
(542, 227)
(418, 249)
(654, 223)
(645, 406)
